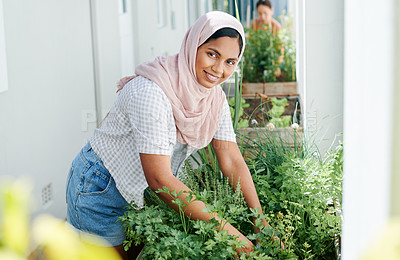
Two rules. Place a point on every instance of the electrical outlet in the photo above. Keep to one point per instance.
(47, 195)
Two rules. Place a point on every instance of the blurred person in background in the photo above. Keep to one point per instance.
(264, 20)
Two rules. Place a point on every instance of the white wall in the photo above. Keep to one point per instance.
(151, 41)
(50, 70)
(323, 94)
(197, 8)
(369, 88)
(126, 37)
(3, 56)
(107, 53)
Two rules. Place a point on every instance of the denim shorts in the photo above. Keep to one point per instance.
(93, 201)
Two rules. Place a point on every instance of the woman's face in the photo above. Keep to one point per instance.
(216, 60)
(265, 13)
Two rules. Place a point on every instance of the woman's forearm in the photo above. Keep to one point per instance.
(195, 209)
(234, 167)
(238, 172)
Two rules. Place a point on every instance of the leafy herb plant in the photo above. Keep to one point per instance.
(261, 56)
(243, 122)
(303, 183)
(170, 235)
(263, 53)
(276, 111)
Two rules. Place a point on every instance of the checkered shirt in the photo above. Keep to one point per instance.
(141, 121)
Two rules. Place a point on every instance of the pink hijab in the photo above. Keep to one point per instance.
(196, 109)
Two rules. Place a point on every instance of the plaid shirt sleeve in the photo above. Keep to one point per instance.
(225, 128)
(151, 117)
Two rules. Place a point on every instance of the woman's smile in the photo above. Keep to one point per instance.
(211, 77)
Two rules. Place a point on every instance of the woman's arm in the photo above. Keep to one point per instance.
(157, 170)
(234, 167)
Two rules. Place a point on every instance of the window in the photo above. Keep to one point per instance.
(3, 58)
(161, 13)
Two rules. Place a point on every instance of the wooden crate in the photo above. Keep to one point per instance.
(259, 107)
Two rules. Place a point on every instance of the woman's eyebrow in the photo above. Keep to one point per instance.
(214, 50)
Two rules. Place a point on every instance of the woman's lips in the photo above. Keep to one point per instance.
(211, 77)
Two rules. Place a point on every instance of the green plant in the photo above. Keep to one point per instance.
(169, 235)
(261, 56)
(300, 192)
(288, 180)
(243, 122)
(263, 51)
(212, 187)
(276, 111)
(288, 67)
(284, 227)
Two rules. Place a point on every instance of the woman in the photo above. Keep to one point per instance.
(265, 20)
(173, 106)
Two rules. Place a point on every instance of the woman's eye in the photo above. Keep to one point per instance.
(211, 54)
(231, 62)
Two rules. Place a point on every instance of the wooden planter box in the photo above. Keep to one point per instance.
(276, 89)
(259, 108)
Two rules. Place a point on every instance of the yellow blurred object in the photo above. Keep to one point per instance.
(51, 234)
(387, 245)
(14, 225)
(8, 255)
(61, 243)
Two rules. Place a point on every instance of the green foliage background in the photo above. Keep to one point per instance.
(262, 53)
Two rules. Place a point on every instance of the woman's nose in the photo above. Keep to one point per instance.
(218, 67)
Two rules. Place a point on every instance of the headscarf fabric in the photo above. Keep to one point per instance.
(196, 109)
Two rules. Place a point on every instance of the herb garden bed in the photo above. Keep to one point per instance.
(299, 190)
